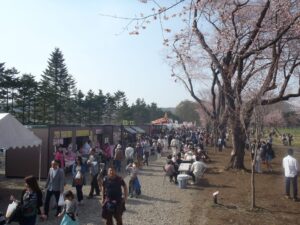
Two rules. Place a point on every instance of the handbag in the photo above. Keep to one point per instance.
(14, 212)
(68, 221)
(78, 175)
(78, 179)
(111, 206)
(10, 209)
(61, 200)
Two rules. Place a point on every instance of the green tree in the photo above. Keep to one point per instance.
(124, 112)
(8, 85)
(140, 112)
(110, 108)
(100, 106)
(60, 86)
(2, 91)
(43, 114)
(26, 98)
(186, 110)
(90, 107)
(79, 107)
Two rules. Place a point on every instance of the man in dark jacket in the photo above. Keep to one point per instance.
(113, 203)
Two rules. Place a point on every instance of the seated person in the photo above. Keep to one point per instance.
(188, 156)
(169, 158)
(169, 168)
(203, 155)
(197, 169)
(178, 160)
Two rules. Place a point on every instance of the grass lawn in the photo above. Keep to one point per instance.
(295, 131)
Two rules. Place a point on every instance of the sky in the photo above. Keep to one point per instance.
(95, 52)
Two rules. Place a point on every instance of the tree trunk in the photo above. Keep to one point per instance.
(238, 144)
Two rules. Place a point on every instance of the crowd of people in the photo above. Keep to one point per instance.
(105, 167)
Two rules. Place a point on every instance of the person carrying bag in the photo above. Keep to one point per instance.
(30, 205)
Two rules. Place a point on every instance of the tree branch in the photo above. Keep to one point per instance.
(203, 43)
(257, 28)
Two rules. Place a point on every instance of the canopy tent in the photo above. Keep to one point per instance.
(15, 135)
(159, 121)
(138, 129)
(129, 130)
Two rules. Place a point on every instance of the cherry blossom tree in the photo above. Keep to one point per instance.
(248, 50)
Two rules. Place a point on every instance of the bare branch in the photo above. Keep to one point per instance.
(275, 40)
(257, 28)
(203, 43)
(143, 17)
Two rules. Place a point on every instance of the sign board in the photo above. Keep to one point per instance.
(63, 134)
(99, 131)
(82, 133)
(128, 122)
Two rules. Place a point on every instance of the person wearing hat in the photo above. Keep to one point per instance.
(118, 157)
(291, 169)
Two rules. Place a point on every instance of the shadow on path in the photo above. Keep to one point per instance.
(150, 198)
(204, 183)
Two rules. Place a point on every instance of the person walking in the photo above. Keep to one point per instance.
(31, 202)
(94, 170)
(54, 185)
(159, 149)
(146, 147)
(118, 157)
(78, 172)
(70, 210)
(113, 205)
(59, 156)
(134, 184)
(129, 154)
(139, 154)
(291, 169)
(174, 146)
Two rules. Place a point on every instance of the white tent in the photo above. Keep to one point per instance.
(15, 135)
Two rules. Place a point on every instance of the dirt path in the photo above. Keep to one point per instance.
(235, 194)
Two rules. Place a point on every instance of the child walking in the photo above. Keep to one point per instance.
(134, 184)
(70, 210)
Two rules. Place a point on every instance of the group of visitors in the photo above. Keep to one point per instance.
(287, 139)
(262, 153)
(104, 168)
(172, 165)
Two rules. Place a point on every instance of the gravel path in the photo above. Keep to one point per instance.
(161, 202)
